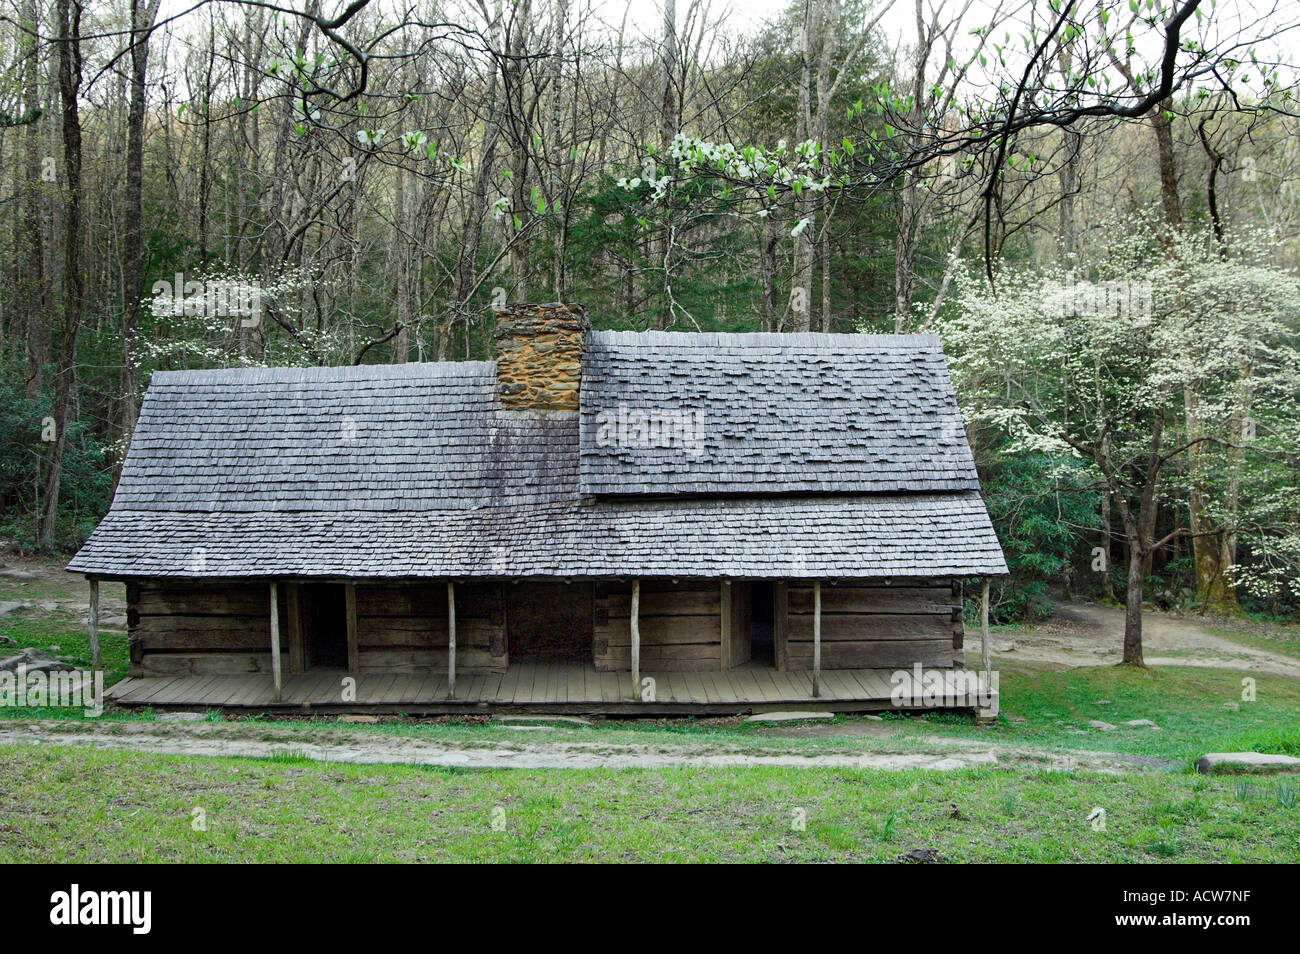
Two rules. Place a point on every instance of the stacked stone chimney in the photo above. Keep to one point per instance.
(539, 355)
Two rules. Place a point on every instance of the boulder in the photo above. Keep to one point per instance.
(1142, 722)
(1103, 726)
(9, 608)
(34, 660)
(1256, 762)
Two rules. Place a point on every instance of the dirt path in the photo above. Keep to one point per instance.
(340, 745)
(1086, 634)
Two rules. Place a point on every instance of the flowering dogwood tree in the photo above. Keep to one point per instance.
(1100, 367)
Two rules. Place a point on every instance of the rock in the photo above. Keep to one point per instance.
(1142, 722)
(180, 716)
(1103, 726)
(359, 719)
(1257, 762)
(53, 665)
(1234, 706)
(8, 609)
(921, 856)
(791, 717)
(54, 649)
(1101, 702)
(874, 718)
(1018, 720)
(48, 606)
(25, 657)
(566, 720)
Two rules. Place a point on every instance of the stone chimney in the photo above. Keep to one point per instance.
(539, 353)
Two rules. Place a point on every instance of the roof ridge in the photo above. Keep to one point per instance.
(358, 372)
(799, 339)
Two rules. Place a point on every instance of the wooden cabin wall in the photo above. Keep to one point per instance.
(402, 627)
(219, 627)
(680, 623)
(215, 627)
(868, 624)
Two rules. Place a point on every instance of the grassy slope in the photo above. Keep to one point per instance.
(75, 804)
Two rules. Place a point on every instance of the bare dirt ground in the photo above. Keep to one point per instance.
(1087, 634)
(50, 589)
(342, 745)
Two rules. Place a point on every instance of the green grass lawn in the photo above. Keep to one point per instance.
(1194, 708)
(91, 806)
(1281, 639)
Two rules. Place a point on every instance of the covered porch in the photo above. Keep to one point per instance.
(544, 687)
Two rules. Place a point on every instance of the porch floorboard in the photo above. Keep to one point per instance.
(539, 687)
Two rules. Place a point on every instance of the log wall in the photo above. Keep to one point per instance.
(402, 627)
(869, 624)
(223, 627)
(219, 627)
(201, 626)
(681, 626)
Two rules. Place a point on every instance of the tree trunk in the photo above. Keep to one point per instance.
(669, 123)
(1133, 606)
(1168, 170)
(401, 269)
(142, 19)
(1107, 587)
(69, 13)
(36, 297)
(1068, 179)
(805, 213)
(521, 200)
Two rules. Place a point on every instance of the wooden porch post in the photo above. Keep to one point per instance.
(96, 662)
(636, 639)
(451, 638)
(817, 638)
(350, 611)
(984, 626)
(275, 637)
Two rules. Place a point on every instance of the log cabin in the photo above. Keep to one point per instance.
(619, 522)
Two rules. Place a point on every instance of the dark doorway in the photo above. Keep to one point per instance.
(324, 626)
(549, 622)
(762, 612)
